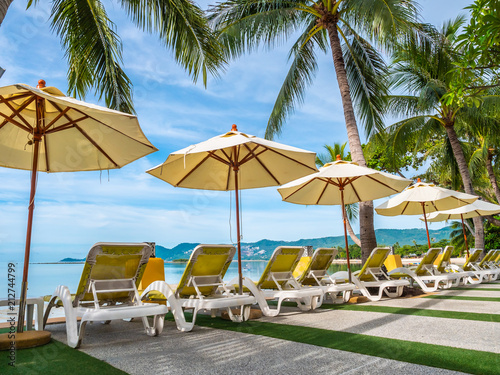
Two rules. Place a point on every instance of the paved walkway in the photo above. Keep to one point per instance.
(212, 351)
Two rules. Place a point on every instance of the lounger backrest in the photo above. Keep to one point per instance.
(486, 259)
(445, 259)
(283, 261)
(427, 262)
(374, 262)
(474, 255)
(113, 261)
(207, 265)
(319, 264)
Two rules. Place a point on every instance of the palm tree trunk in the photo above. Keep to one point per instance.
(458, 152)
(355, 239)
(366, 229)
(4, 6)
(491, 175)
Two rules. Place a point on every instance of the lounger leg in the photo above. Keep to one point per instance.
(175, 305)
(74, 338)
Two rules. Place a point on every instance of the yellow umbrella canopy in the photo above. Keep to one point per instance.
(475, 209)
(422, 198)
(340, 183)
(73, 135)
(235, 161)
(41, 129)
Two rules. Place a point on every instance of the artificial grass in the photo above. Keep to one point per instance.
(54, 358)
(485, 289)
(471, 361)
(465, 298)
(418, 312)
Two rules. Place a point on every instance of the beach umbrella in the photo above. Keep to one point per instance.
(475, 209)
(422, 198)
(340, 183)
(235, 161)
(41, 129)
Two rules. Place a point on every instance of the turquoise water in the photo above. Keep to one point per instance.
(44, 278)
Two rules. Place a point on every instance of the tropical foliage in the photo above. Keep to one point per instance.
(94, 49)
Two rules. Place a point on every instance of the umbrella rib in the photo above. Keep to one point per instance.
(288, 157)
(251, 155)
(67, 125)
(94, 144)
(116, 130)
(192, 170)
(228, 176)
(16, 112)
(262, 165)
(434, 205)
(381, 183)
(354, 189)
(61, 113)
(218, 158)
(16, 97)
(321, 195)
(404, 209)
(300, 188)
(46, 154)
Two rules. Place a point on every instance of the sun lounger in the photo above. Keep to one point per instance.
(443, 265)
(470, 265)
(425, 274)
(485, 265)
(371, 277)
(277, 283)
(108, 291)
(202, 287)
(315, 273)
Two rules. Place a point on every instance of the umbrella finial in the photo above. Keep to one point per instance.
(234, 128)
(418, 180)
(41, 84)
(338, 158)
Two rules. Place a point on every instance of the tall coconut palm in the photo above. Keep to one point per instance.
(421, 67)
(94, 50)
(347, 27)
(352, 210)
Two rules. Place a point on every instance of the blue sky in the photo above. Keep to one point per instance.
(75, 210)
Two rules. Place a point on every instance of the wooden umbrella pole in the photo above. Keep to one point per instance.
(345, 233)
(34, 170)
(465, 235)
(240, 274)
(426, 227)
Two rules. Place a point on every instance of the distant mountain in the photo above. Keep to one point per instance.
(262, 249)
(72, 260)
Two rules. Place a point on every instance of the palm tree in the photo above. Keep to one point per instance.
(421, 67)
(94, 50)
(352, 210)
(347, 27)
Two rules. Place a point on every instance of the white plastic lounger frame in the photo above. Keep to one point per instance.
(316, 274)
(471, 264)
(108, 291)
(445, 266)
(277, 282)
(425, 274)
(202, 287)
(371, 275)
(484, 265)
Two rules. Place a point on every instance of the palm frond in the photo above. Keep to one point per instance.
(299, 77)
(367, 77)
(181, 26)
(93, 50)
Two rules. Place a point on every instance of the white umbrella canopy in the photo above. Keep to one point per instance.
(422, 198)
(358, 184)
(340, 183)
(213, 164)
(475, 209)
(235, 161)
(41, 129)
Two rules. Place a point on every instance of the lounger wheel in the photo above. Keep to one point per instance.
(346, 295)
(247, 310)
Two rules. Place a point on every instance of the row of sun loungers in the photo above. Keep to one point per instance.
(112, 274)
